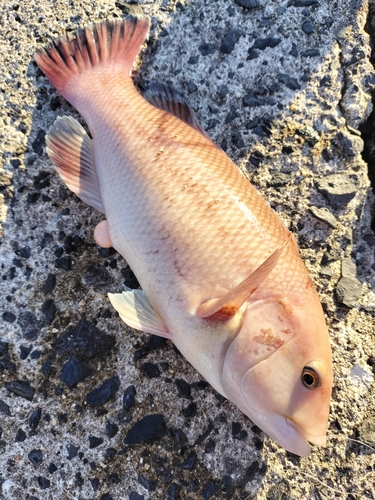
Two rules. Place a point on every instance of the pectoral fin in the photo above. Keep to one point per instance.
(226, 307)
(136, 311)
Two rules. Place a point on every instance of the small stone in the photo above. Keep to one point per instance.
(350, 143)
(228, 486)
(206, 49)
(21, 388)
(39, 142)
(150, 370)
(129, 397)
(252, 101)
(20, 436)
(73, 372)
(308, 27)
(305, 3)
(34, 418)
(111, 429)
(208, 490)
(310, 53)
(49, 284)
(189, 462)
(72, 451)
(338, 188)
(184, 389)
(249, 474)
(110, 453)
(46, 369)
(4, 408)
(35, 457)
(264, 43)
(149, 428)
(4, 348)
(9, 317)
(64, 262)
(291, 83)
(229, 41)
(324, 215)
(210, 446)
(24, 351)
(232, 115)
(147, 483)
(279, 491)
(136, 496)
(349, 288)
(95, 441)
(52, 468)
(104, 392)
(49, 311)
(190, 410)
(44, 483)
(367, 431)
(247, 4)
(155, 342)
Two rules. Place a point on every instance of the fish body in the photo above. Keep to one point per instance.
(221, 274)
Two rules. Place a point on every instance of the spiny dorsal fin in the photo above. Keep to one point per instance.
(227, 306)
(70, 149)
(136, 310)
(168, 98)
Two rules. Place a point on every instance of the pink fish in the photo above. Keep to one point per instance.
(221, 275)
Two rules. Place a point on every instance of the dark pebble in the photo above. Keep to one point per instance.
(229, 41)
(252, 101)
(25, 252)
(84, 340)
(249, 474)
(247, 4)
(95, 441)
(44, 483)
(47, 240)
(129, 278)
(21, 388)
(110, 453)
(63, 262)
(291, 83)
(308, 27)
(72, 451)
(264, 43)
(349, 288)
(34, 418)
(206, 49)
(106, 496)
(9, 317)
(35, 457)
(33, 197)
(73, 371)
(201, 385)
(49, 284)
(52, 468)
(36, 354)
(129, 397)
(97, 277)
(324, 215)
(189, 462)
(39, 142)
(210, 446)
(252, 54)
(155, 342)
(150, 370)
(205, 434)
(4, 348)
(4, 408)
(49, 311)
(310, 53)
(104, 392)
(183, 388)
(232, 115)
(190, 410)
(305, 3)
(338, 188)
(180, 437)
(208, 490)
(20, 436)
(24, 351)
(147, 483)
(174, 491)
(228, 486)
(111, 429)
(46, 369)
(149, 428)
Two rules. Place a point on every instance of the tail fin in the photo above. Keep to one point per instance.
(107, 43)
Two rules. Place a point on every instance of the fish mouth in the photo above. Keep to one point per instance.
(317, 439)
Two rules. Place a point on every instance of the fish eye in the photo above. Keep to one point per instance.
(310, 378)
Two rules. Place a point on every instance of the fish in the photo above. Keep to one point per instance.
(220, 274)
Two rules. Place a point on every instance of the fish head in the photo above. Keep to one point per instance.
(278, 371)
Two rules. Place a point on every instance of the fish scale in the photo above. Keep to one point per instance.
(221, 275)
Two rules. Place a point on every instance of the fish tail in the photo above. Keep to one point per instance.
(108, 43)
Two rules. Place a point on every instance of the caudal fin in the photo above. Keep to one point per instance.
(111, 42)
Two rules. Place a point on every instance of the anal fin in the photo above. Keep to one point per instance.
(70, 149)
(136, 311)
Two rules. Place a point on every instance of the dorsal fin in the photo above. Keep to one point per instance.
(227, 306)
(168, 98)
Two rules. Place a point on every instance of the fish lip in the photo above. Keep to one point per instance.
(317, 439)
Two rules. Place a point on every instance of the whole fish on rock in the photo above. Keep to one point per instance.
(221, 275)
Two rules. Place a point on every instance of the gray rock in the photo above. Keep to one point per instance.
(349, 288)
(338, 188)
(367, 431)
(324, 215)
